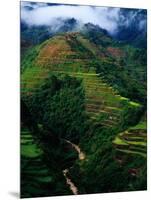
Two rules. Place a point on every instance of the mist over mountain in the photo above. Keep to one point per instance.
(43, 20)
(133, 31)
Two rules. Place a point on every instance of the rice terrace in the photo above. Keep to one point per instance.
(83, 100)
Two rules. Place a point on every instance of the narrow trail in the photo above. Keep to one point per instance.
(77, 148)
(69, 182)
(82, 156)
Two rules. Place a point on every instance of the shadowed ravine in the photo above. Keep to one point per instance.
(81, 156)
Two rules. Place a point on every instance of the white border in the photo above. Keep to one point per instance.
(9, 98)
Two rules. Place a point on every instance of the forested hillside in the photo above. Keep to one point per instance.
(83, 113)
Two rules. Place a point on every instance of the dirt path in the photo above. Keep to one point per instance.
(69, 182)
(82, 156)
(77, 148)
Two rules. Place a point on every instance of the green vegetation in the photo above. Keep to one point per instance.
(131, 67)
(38, 179)
(40, 175)
(94, 95)
(53, 105)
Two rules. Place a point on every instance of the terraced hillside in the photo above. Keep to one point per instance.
(74, 55)
(132, 141)
(35, 174)
(37, 177)
(107, 114)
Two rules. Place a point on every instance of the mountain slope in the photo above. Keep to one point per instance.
(89, 67)
(74, 55)
(133, 140)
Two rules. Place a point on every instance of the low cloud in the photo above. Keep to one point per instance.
(53, 15)
(44, 14)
